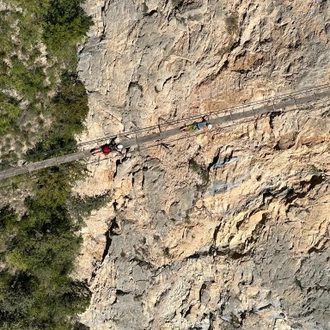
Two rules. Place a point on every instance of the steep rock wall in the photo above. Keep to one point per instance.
(222, 230)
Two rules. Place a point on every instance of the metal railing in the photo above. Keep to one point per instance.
(169, 128)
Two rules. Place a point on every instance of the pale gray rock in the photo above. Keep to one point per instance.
(245, 246)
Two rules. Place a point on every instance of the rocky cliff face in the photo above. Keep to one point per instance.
(222, 230)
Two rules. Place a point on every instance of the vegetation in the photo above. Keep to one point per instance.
(200, 170)
(69, 108)
(65, 21)
(38, 251)
(41, 99)
(39, 51)
(80, 208)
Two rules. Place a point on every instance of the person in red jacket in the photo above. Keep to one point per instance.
(105, 149)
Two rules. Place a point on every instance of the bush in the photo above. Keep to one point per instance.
(199, 169)
(10, 113)
(38, 249)
(58, 23)
(68, 108)
(65, 24)
(29, 82)
(82, 207)
(41, 256)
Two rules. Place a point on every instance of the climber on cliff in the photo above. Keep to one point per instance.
(107, 148)
(197, 126)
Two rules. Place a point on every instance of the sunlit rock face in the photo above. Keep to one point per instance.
(223, 230)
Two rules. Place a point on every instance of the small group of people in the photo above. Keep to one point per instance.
(197, 126)
(106, 148)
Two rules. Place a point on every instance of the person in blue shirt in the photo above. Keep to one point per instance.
(197, 126)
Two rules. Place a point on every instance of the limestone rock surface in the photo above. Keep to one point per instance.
(223, 230)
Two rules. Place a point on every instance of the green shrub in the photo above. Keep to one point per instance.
(68, 108)
(199, 169)
(10, 112)
(38, 249)
(41, 254)
(82, 207)
(29, 82)
(65, 24)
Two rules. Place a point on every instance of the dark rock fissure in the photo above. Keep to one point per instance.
(107, 245)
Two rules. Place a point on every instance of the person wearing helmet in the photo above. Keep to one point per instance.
(107, 148)
(203, 125)
(115, 146)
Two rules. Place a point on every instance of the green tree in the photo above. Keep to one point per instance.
(38, 249)
(65, 23)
